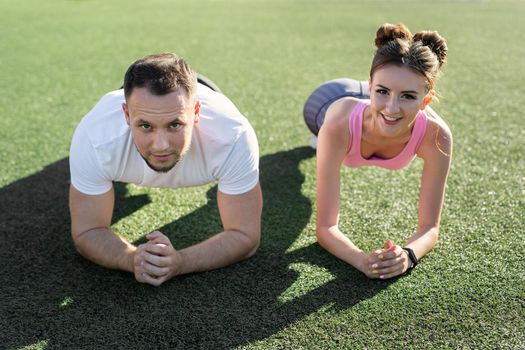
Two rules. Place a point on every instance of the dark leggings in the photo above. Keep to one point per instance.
(327, 93)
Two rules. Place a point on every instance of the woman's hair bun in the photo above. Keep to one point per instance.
(388, 32)
(435, 42)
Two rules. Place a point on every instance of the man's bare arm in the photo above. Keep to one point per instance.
(241, 219)
(92, 233)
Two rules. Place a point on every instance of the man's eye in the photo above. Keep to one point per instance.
(145, 126)
(175, 126)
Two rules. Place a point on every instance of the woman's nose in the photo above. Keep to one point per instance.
(392, 105)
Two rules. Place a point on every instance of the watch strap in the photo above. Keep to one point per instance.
(411, 256)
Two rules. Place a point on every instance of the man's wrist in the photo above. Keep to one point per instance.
(178, 267)
(129, 259)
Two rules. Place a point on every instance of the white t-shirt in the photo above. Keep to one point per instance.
(223, 149)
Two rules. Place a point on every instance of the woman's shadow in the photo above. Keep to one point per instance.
(51, 294)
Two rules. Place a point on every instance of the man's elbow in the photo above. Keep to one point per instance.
(251, 244)
(79, 242)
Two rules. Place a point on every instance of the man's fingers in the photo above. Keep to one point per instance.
(154, 234)
(154, 260)
(158, 237)
(157, 248)
(154, 281)
(160, 261)
(155, 271)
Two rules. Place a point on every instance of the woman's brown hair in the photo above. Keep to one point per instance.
(425, 52)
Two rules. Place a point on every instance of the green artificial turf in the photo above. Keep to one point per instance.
(58, 57)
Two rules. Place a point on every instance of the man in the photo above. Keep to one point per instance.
(164, 130)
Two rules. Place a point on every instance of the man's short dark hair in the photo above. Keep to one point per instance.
(160, 74)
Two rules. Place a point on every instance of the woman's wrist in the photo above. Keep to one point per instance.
(410, 258)
(362, 263)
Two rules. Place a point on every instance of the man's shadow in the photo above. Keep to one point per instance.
(52, 294)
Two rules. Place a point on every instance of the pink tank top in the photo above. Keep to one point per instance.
(354, 159)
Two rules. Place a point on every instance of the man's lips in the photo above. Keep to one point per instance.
(161, 157)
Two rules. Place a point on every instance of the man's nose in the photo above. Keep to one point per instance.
(160, 141)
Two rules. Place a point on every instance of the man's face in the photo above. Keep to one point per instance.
(161, 126)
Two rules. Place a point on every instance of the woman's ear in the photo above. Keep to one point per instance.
(427, 99)
(197, 110)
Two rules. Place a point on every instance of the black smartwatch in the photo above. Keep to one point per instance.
(412, 257)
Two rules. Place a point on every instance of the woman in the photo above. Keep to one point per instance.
(389, 131)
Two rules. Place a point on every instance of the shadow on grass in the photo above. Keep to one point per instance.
(49, 293)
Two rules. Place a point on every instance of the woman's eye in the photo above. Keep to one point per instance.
(409, 97)
(382, 91)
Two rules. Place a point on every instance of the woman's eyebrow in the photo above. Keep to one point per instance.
(404, 92)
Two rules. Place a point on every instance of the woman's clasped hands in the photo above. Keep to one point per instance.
(388, 262)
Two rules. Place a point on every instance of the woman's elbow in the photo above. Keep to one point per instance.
(323, 234)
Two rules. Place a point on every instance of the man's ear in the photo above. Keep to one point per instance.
(126, 112)
(197, 111)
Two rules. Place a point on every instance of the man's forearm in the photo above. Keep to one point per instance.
(218, 251)
(104, 247)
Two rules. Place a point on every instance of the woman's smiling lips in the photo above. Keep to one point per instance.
(390, 120)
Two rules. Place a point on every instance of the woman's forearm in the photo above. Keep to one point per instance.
(336, 243)
(423, 240)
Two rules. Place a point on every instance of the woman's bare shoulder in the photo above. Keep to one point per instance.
(438, 137)
(338, 113)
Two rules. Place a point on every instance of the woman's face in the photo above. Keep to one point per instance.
(397, 94)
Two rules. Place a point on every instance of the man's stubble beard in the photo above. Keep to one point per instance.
(178, 158)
